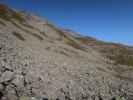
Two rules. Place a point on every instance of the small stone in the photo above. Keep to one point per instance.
(6, 76)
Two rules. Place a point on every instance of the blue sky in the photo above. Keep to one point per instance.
(109, 20)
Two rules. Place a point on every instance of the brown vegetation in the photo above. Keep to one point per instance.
(18, 16)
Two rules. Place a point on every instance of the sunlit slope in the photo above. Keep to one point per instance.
(40, 61)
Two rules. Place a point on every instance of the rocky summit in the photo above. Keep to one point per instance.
(39, 61)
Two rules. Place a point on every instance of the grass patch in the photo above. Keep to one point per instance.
(118, 53)
(72, 43)
(121, 56)
(19, 36)
(86, 39)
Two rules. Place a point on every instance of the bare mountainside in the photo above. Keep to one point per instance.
(39, 61)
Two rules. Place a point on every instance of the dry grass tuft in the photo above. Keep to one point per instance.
(72, 43)
(18, 16)
(19, 36)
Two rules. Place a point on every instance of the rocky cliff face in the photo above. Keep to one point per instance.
(39, 61)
